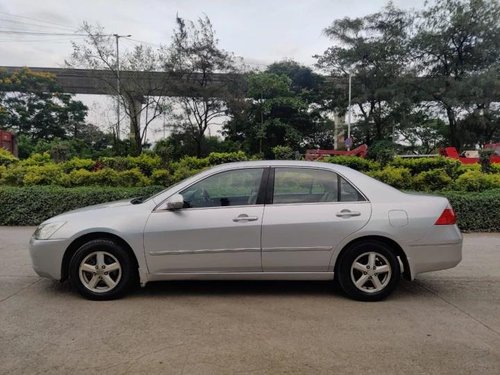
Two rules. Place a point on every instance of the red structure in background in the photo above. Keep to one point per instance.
(8, 142)
(451, 152)
(318, 154)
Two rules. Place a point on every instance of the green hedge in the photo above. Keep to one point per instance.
(32, 205)
(476, 212)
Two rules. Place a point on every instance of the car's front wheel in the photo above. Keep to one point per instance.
(368, 271)
(101, 270)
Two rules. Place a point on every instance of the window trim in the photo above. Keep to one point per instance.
(271, 187)
(263, 182)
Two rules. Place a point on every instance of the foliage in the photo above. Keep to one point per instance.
(374, 50)
(283, 153)
(34, 204)
(194, 54)
(474, 180)
(485, 161)
(6, 158)
(97, 51)
(382, 151)
(399, 178)
(354, 162)
(278, 112)
(419, 165)
(32, 105)
(433, 180)
(476, 212)
(458, 45)
(161, 177)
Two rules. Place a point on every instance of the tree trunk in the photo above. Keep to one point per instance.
(454, 140)
(135, 105)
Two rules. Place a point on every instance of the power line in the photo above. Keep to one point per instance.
(43, 33)
(33, 24)
(38, 20)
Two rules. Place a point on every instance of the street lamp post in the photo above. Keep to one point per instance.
(117, 37)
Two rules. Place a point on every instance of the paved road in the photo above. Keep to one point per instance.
(444, 323)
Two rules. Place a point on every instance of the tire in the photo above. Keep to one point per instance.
(102, 270)
(356, 266)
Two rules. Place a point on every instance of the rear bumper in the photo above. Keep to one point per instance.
(435, 257)
(47, 256)
(442, 249)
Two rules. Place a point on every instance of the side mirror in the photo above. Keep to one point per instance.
(175, 202)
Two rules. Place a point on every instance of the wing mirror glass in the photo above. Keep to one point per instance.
(175, 202)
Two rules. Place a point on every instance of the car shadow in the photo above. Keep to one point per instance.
(216, 288)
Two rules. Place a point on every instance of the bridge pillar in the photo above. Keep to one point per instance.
(134, 104)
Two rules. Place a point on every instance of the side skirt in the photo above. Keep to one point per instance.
(241, 276)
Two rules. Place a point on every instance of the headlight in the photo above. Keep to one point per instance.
(45, 231)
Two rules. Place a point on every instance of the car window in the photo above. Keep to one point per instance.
(301, 185)
(348, 193)
(232, 188)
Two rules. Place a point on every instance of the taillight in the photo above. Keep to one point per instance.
(448, 217)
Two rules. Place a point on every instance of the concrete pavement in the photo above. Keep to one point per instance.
(445, 322)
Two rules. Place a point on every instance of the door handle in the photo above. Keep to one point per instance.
(245, 217)
(348, 213)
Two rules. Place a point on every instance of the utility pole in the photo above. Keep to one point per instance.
(117, 37)
(349, 113)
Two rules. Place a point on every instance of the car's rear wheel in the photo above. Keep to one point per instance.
(368, 271)
(101, 270)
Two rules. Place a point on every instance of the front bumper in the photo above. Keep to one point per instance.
(47, 257)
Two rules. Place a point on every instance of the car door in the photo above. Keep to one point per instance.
(218, 230)
(311, 211)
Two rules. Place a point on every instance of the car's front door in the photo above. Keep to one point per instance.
(311, 211)
(218, 230)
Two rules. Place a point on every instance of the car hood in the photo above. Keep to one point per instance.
(88, 209)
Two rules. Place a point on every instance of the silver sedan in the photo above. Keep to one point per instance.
(259, 220)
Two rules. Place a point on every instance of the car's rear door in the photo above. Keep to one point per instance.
(311, 211)
(218, 230)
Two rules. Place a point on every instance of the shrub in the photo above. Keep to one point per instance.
(283, 153)
(37, 159)
(354, 162)
(161, 177)
(478, 212)
(474, 180)
(147, 163)
(382, 151)
(48, 174)
(132, 177)
(34, 204)
(436, 179)
(6, 158)
(419, 165)
(14, 175)
(182, 173)
(77, 163)
(485, 161)
(118, 163)
(190, 162)
(216, 158)
(399, 178)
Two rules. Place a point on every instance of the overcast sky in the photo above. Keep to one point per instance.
(260, 31)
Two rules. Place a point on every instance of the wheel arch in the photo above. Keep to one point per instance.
(393, 246)
(83, 239)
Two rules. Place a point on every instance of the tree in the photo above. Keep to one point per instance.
(458, 45)
(273, 115)
(195, 57)
(374, 50)
(31, 104)
(142, 99)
